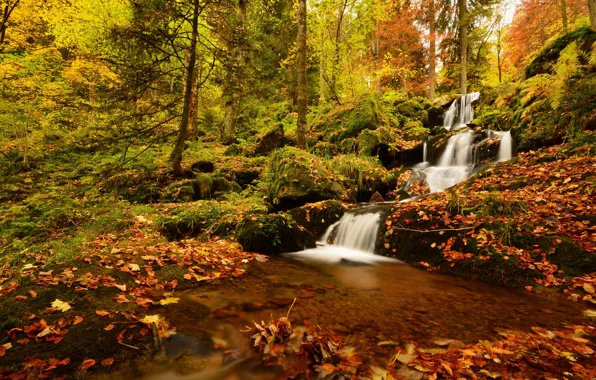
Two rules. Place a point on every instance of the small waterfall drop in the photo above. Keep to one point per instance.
(460, 113)
(465, 152)
(351, 239)
(424, 152)
(506, 147)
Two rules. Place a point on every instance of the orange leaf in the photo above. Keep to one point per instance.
(107, 362)
(87, 364)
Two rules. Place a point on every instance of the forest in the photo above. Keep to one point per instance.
(275, 189)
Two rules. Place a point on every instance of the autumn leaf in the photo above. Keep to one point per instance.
(169, 300)
(102, 313)
(60, 305)
(87, 364)
(77, 320)
(107, 362)
(109, 327)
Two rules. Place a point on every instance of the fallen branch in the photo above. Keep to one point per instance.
(426, 231)
(128, 345)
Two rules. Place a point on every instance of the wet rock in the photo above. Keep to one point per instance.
(376, 197)
(273, 234)
(317, 217)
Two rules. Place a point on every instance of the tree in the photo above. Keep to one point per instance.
(463, 46)
(302, 87)
(592, 10)
(176, 156)
(8, 7)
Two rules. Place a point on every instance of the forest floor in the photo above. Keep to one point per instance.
(106, 306)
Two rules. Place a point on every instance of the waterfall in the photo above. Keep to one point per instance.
(353, 238)
(506, 147)
(460, 113)
(424, 153)
(463, 154)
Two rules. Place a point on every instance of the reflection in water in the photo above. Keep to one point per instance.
(364, 304)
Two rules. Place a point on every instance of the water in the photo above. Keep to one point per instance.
(460, 113)
(352, 239)
(363, 304)
(462, 156)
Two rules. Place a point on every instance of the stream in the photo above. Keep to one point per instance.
(364, 304)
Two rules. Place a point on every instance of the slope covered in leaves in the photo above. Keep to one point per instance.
(527, 222)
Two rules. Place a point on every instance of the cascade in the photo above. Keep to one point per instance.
(353, 238)
(424, 152)
(463, 153)
(460, 113)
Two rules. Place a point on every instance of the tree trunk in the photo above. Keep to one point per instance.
(564, 16)
(4, 20)
(193, 110)
(499, 62)
(592, 7)
(432, 66)
(463, 46)
(234, 97)
(322, 73)
(230, 119)
(176, 156)
(301, 76)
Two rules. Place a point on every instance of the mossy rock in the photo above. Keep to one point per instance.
(179, 192)
(209, 216)
(348, 120)
(543, 63)
(297, 177)
(273, 234)
(317, 217)
(270, 140)
(203, 166)
(365, 175)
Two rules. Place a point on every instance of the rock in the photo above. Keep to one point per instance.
(273, 234)
(203, 166)
(271, 140)
(297, 177)
(376, 197)
(317, 217)
(233, 150)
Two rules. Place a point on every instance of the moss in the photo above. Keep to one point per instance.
(365, 175)
(296, 177)
(414, 130)
(202, 185)
(273, 234)
(348, 120)
(584, 37)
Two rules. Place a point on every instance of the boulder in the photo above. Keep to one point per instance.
(270, 140)
(297, 177)
(376, 197)
(273, 234)
(317, 217)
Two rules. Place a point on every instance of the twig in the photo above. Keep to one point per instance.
(288, 315)
(128, 345)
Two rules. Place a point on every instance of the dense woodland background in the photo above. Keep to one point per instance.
(161, 124)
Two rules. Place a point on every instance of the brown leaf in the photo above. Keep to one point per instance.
(107, 362)
(102, 313)
(78, 319)
(109, 327)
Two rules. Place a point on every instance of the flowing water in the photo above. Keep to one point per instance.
(460, 158)
(352, 239)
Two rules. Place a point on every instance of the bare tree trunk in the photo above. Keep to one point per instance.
(432, 67)
(176, 156)
(463, 46)
(592, 7)
(301, 76)
(230, 119)
(322, 73)
(564, 16)
(194, 105)
(499, 47)
(233, 100)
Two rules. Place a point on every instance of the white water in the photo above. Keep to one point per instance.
(354, 241)
(460, 112)
(459, 158)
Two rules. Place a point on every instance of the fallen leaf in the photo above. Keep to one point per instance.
(61, 305)
(102, 313)
(107, 362)
(169, 300)
(78, 319)
(589, 288)
(109, 327)
(87, 364)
